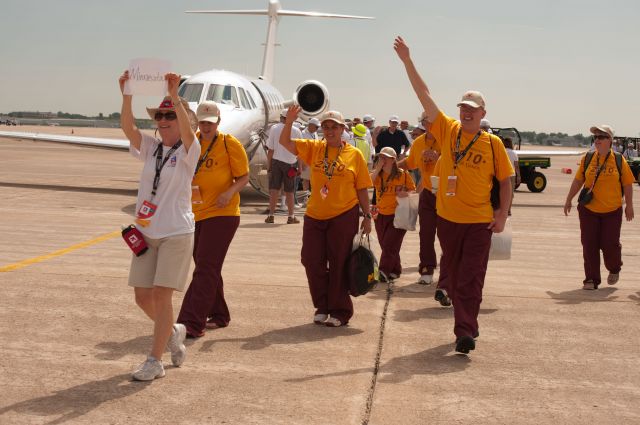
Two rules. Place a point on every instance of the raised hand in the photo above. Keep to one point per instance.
(173, 81)
(123, 79)
(401, 49)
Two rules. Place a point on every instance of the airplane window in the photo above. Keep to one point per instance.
(243, 98)
(191, 92)
(223, 94)
(253, 104)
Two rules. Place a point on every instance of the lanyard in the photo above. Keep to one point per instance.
(382, 183)
(599, 169)
(206, 153)
(160, 164)
(328, 170)
(459, 155)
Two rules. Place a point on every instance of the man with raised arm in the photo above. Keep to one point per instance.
(466, 220)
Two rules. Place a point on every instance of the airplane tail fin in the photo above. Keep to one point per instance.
(274, 12)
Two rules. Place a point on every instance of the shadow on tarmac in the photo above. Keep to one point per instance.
(578, 296)
(117, 350)
(433, 361)
(294, 335)
(61, 188)
(430, 313)
(79, 400)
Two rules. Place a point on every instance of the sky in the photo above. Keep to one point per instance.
(546, 66)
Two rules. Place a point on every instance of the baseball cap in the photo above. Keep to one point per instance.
(283, 113)
(208, 111)
(332, 116)
(473, 98)
(314, 121)
(394, 118)
(368, 118)
(484, 123)
(603, 128)
(389, 152)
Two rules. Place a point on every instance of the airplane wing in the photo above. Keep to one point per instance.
(531, 153)
(76, 140)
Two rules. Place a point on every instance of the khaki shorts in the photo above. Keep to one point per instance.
(166, 263)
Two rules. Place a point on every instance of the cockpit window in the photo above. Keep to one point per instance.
(253, 104)
(191, 92)
(223, 94)
(243, 98)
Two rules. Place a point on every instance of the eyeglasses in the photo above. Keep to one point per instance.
(169, 116)
(600, 137)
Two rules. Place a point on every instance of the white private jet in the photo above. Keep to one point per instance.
(249, 106)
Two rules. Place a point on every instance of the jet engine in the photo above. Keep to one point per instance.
(313, 98)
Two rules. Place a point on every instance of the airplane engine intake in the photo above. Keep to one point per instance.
(313, 98)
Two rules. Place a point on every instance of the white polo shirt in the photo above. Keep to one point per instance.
(173, 215)
(280, 152)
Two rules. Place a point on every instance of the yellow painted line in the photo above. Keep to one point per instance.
(24, 263)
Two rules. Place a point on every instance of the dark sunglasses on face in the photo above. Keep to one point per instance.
(600, 137)
(169, 116)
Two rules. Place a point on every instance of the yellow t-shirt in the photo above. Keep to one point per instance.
(472, 201)
(350, 174)
(607, 193)
(415, 160)
(386, 198)
(216, 175)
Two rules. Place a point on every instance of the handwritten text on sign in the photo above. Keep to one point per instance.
(146, 77)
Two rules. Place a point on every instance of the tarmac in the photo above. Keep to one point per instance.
(548, 353)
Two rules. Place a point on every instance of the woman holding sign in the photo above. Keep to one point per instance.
(221, 171)
(164, 217)
(606, 177)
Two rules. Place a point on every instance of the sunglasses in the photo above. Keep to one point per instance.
(600, 137)
(169, 116)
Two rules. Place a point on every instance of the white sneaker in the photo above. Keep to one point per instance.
(334, 322)
(149, 370)
(426, 279)
(319, 319)
(393, 276)
(176, 344)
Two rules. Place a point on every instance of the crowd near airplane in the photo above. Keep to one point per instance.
(248, 106)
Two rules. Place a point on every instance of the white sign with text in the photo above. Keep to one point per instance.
(146, 77)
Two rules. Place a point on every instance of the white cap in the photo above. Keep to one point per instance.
(208, 111)
(473, 98)
(603, 128)
(314, 121)
(368, 118)
(333, 116)
(394, 118)
(283, 113)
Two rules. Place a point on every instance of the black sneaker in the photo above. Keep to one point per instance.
(464, 344)
(442, 297)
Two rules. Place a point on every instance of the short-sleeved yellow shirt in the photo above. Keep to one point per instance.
(607, 193)
(386, 197)
(350, 174)
(415, 160)
(472, 201)
(217, 174)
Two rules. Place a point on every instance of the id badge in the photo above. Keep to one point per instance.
(196, 198)
(147, 210)
(324, 192)
(451, 185)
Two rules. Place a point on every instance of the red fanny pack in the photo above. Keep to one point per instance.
(292, 172)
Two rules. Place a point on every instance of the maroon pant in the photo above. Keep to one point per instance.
(600, 231)
(390, 240)
(465, 254)
(428, 220)
(326, 245)
(205, 297)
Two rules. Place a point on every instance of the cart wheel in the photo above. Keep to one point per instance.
(537, 182)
